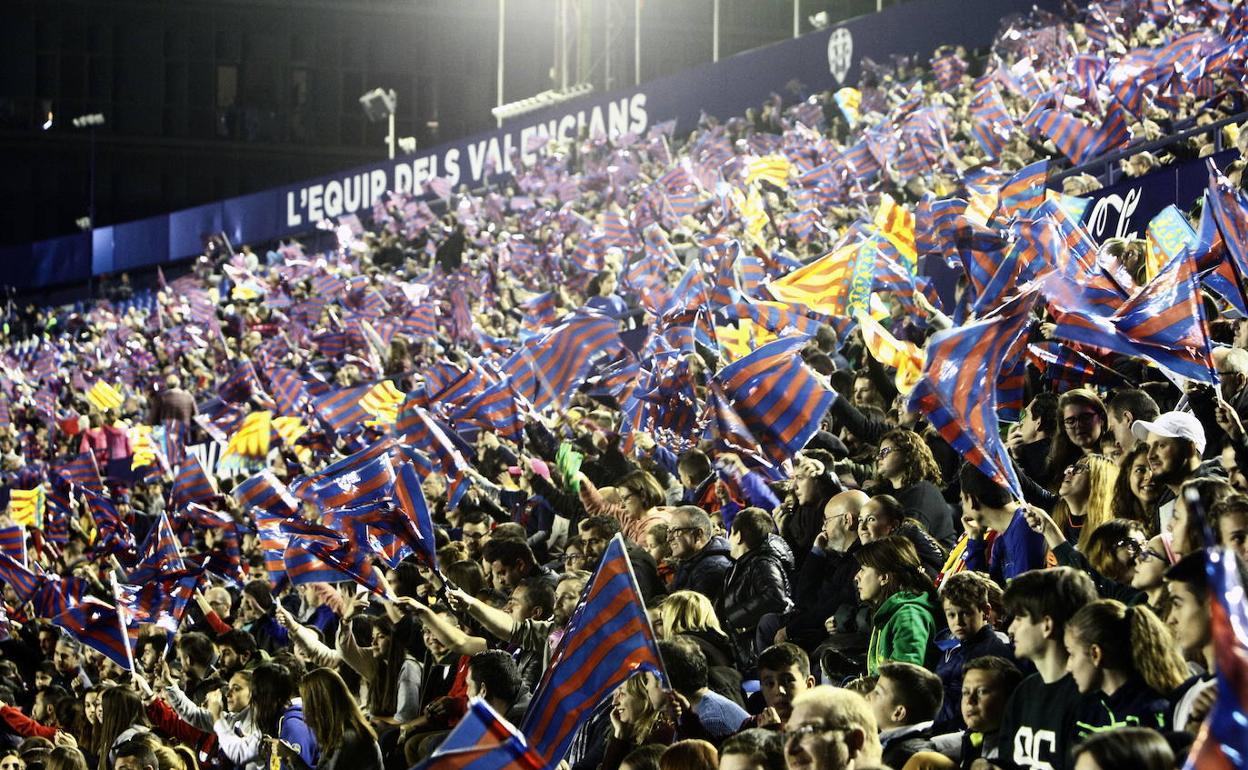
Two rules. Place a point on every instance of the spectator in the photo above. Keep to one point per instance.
(1123, 409)
(1041, 712)
(831, 729)
(1176, 441)
(494, 676)
(904, 701)
(783, 674)
(892, 581)
(703, 558)
(1030, 438)
(343, 736)
(884, 516)
(693, 754)
(1084, 420)
(687, 672)
(1086, 493)
(908, 468)
(1135, 493)
(757, 583)
(987, 506)
(964, 596)
(1190, 621)
(1135, 747)
(753, 749)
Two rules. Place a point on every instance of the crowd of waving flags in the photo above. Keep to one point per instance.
(716, 355)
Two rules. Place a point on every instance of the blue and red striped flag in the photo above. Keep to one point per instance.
(777, 396)
(1230, 213)
(482, 740)
(315, 561)
(100, 627)
(161, 601)
(82, 472)
(1222, 743)
(1163, 322)
(114, 537)
(23, 582)
(13, 542)
(991, 124)
(607, 640)
(289, 394)
(267, 493)
(425, 433)
(191, 484)
(500, 409)
(545, 370)
(958, 389)
(411, 501)
(355, 486)
(160, 553)
(1025, 190)
(341, 409)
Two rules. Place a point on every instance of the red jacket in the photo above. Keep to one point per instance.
(24, 725)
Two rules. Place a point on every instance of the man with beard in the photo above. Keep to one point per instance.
(1176, 442)
(1126, 407)
(530, 634)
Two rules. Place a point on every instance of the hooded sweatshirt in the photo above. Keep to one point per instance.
(901, 631)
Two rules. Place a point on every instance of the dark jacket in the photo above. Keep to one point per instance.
(825, 583)
(757, 584)
(897, 752)
(923, 501)
(931, 553)
(704, 571)
(954, 655)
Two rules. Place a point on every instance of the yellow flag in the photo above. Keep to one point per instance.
(252, 438)
(905, 357)
(26, 506)
(142, 446)
(383, 402)
(773, 168)
(289, 430)
(848, 100)
(103, 396)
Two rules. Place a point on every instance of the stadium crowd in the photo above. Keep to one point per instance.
(312, 510)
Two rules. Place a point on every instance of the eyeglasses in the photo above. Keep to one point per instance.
(1084, 418)
(809, 730)
(885, 451)
(1138, 550)
(1074, 470)
(674, 532)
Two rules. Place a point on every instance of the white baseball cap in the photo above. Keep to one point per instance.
(1173, 425)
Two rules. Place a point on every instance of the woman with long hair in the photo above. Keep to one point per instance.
(883, 516)
(278, 714)
(635, 721)
(1083, 420)
(891, 579)
(342, 733)
(1135, 493)
(66, 758)
(906, 467)
(1126, 657)
(1087, 492)
(122, 717)
(1138, 748)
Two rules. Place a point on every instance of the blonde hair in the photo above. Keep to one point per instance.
(685, 611)
(635, 687)
(1102, 476)
(1131, 639)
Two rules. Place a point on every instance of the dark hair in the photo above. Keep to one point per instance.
(764, 748)
(1044, 409)
(1133, 400)
(685, 664)
(896, 557)
(1190, 570)
(138, 749)
(918, 689)
(690, 754)
(239, 641)
(981, 489)
(1138, 748)
(753, 525)
(892, 509)
(826, 338)
(1008, 674)
(497, 673)
(272, 687)
(1132, 640)
(1125, 505)
(696, 464)
(407, 574)
(541, 594)
(966, 589)
(645, 486)
(198, 648)
(467, 574)
(644, 757)
(779, 657)
(920, 464)
(1062, 451)
(330, 710)
(260, 592)
(1056, 593)
(475, 516)
(1103, 542)
(607, 526)
(508, 552)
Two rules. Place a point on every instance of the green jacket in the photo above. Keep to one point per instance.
(901, 631)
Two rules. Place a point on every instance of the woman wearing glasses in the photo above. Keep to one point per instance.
(907, 470)
(1083, 421)
(1086, 494)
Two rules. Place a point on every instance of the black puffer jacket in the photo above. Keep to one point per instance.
(704, 571)
(758, 583)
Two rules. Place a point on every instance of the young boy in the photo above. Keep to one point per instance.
(1039, 727)
(964, 596)
(783, 674)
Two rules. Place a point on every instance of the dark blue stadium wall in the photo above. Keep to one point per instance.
(819, 60)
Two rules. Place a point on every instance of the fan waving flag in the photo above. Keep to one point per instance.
(159, 554)
(411, 499)
(1222, 742)
(607, 640)
(958, 388)
(482, 740)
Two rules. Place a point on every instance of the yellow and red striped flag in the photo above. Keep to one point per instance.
(773, 168)
(142, 446)
(290, 430)
(823, 285)
(896, 223)
(905, 357)
(26, 506)
(383, 402)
